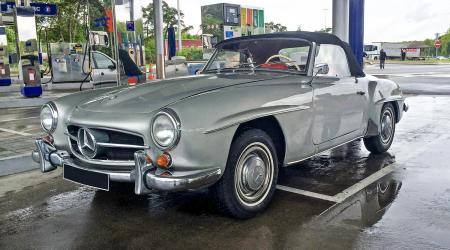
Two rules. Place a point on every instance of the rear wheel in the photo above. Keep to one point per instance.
(382, 142)
(250, 176)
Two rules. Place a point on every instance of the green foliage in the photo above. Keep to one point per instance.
(170, 18)
(11, 36)
(150, 50)
(191, 54)
(445, 41)
(68, 25)
(187, 36)
(275, 27)
(326, 30)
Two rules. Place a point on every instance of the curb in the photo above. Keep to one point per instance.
(17, 164)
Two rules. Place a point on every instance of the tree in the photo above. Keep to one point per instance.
(326, 30)
(274, 27)
(170, 18)
(445, 41)
(70, 22)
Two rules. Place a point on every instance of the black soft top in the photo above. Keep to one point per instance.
(317, 37)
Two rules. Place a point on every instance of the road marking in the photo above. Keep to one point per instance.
(307, 193)
(349, 192)
(20, 119)
(410, 75)
(15, 132)
(342, 196)
(15, 156)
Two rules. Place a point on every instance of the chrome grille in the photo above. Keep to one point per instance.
(113, 147)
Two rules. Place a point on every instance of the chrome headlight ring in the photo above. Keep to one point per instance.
(49, 117)
(165, 129)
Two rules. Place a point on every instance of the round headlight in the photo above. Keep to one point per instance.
(49, 118)
(165, 130)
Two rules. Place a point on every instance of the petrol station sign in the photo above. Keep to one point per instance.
(7, 7)
(40, 9)
(44, 9)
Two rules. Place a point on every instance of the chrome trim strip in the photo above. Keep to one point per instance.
(106, 128)
(116, 145)
(390, 99)
(71, 136)
(102, 162)
(278, 112)
(294, 162)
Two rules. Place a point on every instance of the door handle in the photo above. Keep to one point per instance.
(102, 74)
(361, 93)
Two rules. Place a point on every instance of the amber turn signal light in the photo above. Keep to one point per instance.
(164, 160)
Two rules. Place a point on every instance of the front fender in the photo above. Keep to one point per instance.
(381, 91)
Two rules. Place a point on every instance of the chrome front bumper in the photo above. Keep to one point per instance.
(146, 177)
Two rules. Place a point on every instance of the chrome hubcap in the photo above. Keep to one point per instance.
(387, 126)
(253, 174)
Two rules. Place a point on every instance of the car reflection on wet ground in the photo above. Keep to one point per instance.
(407, 206)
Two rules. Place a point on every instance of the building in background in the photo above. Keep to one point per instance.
(414, 50)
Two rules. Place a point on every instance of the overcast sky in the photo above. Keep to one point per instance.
(385, 20)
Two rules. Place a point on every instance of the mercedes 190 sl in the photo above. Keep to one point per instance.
(260, 103)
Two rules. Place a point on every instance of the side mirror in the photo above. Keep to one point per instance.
(322, 69)
(112, 67)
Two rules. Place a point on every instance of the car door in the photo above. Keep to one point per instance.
(339, 100)
(104, 69)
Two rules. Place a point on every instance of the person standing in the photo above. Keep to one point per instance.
(403, 54)
(382, 58)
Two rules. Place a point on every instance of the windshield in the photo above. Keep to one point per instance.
(288, 55)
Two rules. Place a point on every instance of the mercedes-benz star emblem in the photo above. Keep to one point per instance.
(86, 143)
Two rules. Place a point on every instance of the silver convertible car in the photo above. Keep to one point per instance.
(261, 103)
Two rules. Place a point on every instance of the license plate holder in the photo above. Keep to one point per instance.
(86, 177)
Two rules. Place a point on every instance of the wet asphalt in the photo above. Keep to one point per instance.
(408, 207)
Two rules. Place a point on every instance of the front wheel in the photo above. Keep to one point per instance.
(250, 176)
(382, 142)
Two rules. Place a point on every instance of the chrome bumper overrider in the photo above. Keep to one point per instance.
(146, 177)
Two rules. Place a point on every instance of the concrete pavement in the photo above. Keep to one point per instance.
(416, 79)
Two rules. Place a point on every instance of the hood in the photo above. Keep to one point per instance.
(148, 97)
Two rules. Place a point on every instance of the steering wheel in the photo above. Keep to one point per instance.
(290, 62)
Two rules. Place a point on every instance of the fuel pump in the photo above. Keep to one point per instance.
(29, 65)
(224, 21)
(130, 41)
(5, 78)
